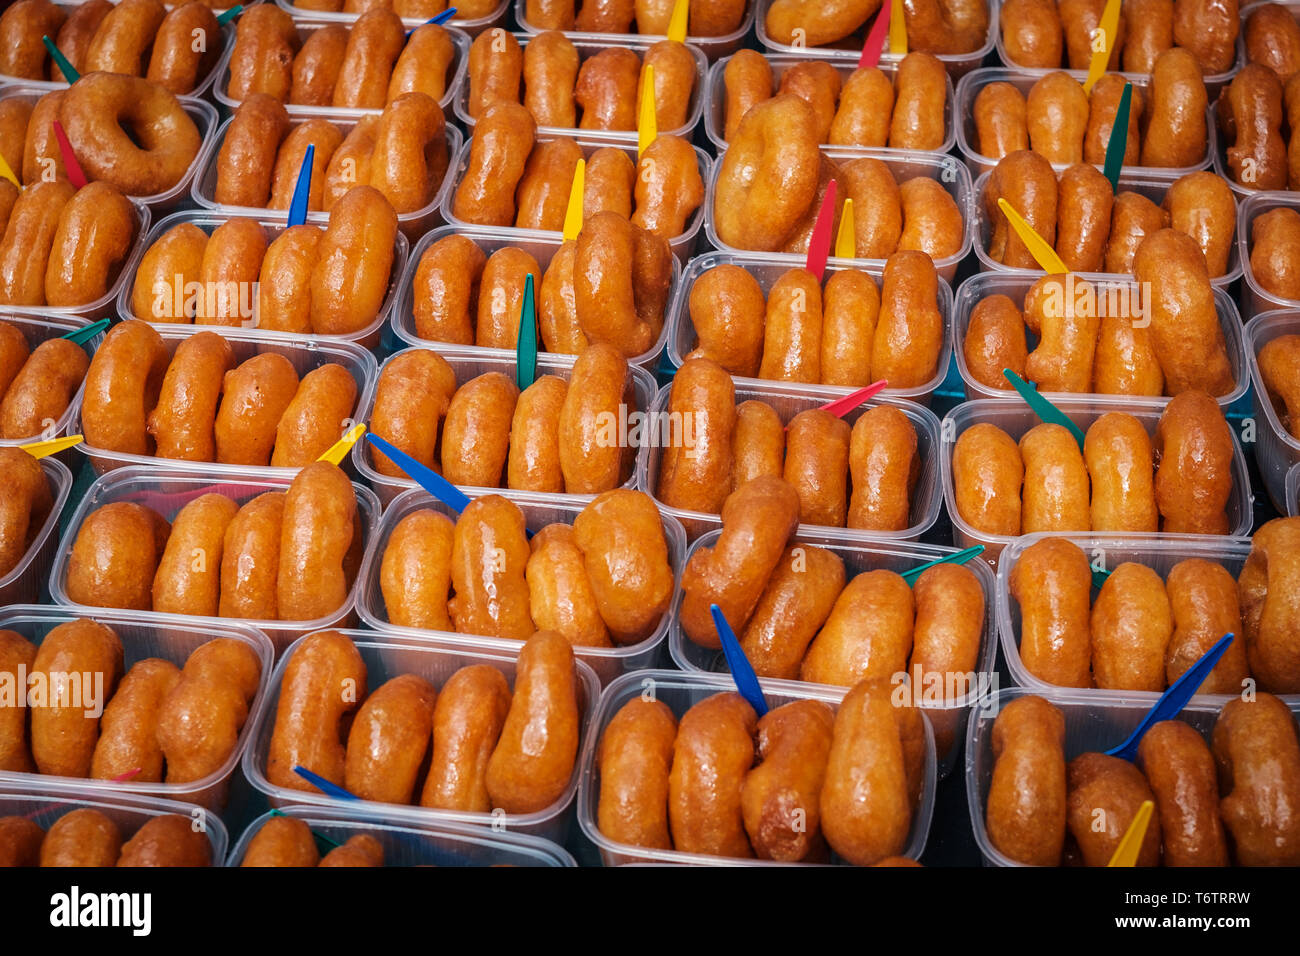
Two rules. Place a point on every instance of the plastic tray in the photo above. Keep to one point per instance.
(539, 511)
(205, 82)
(385, 659)
(957, 64)
(23, 582)
(472, 27)
(1254, 299)
(788, 399)
(948, 720)
(440, 844)
(1015, 418)
(456, 72)
(1017, 282)
(680, 692)
(682, 245)
(468, 364)
(542, 246)
(681, 330)
(39, 328)
(904, 164)
(715, 103)
(167, 491)
(46, 802)
(1093, 723)
(587, 49)
(1213, 82)
(1108, 551)
(1152, 188)
(1023, 80)
(712, 47)
(305, 356)
(173, 638)
(200, 111)
(411, 224)
(1276, 450)
(208, 220)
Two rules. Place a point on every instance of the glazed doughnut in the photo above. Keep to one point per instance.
(114, 558)
(712, 753)
(282, 841)
(1258, 756)
(1272, 37)
(877, 207)
(325, 137)
(1208, 28)
(21, 28)
(1203, 600)
(747, 81)
(25, 506)
(350, 163)
(817, 465)
(1131, 625)
(20, 841)
(423, 63)
(621, 307)
(389, 739)
(200, 719)
(605, 16)
(626, 551)
(1201, 205)
(92, 113)
(1081, 19)
(1083, 213)
(850, 312)
(375, 42)
(488, 558)
(1056, 112)
(355, 258)
(1067, 336)
(495, 68)
(43, 388)
(501, 296)
(410, 153)
(266, 40)
(1133, 217)
(1052, 583)
(1025, 813)
(809, 23)
(727, 308)
(587, 464)
(543, 195)
(320, 520)
(560, 596)
(1250, 117)
(232, 260)
(1032, 35)
(176, 64)
(361, 850)
(946, 637)
(182, 423)
(323, 682)
(694, 478)
(503, 138)
(64, 734)
(42, 157)
(411, 400)
(868, 635)
(445, 293)
(1265, 586)
(1149, 32)
(1277, 360)
(758, 443)
(28, 240)
(1056, 489)
(1104, 795)
(1103, 103)
(125, 36)
(317, 65)
(550, 70)
(946, 26)
(316, 417)
(863, 117)
(768, 176)
(122, 386)
(551, 14)
(920, 90)
(14, 117)
(796, 602)
(1176, 101)
(987, 473)
(635, 760)
(995, 340)
(1025, 179)
(557, 304)
(780, 795)
(1117, 451)
(609, 183)
(284, 281)
(606, 90)
(668, 187)
(792, 329)
(246, 160)
(16, 653)
(817, 83)
(94, 234)
(909, 331)
(82, 837)
(476, 431)
(188, 576)
(170, 267)
(467, 721)
(74, 36)
(415, 572)
(883, 466)
(255, 395)
(1275, 250)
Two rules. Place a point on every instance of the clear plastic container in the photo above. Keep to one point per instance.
(45, 803)
(948, 720)
(468, 364)
(681, 330)
(787, 400)
(1023, 80)
(1015, 284)
(456, 73)
(305, 355)
(1293, 491)
(682, 245)
(200, 88)
(167, 491)
(715, 103)
(437, 844)
(958, 64)
(38, 328)
(1151, 188)
(711, 47)
(1093, 724)
(200, 111)
(587, 49)
(905, 164)
(1107, 552)
(539, 510)
(472, 26)
(23, 582)
(170, 637)
(209, 220)
(1213, 82)
(1277, 451)
(680, 692)
(1015, 418)
(1255, 299)
(384, 659)
(542, 246)
(411, 224)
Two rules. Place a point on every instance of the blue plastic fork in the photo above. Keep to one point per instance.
(323, 785)
(741, 670)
